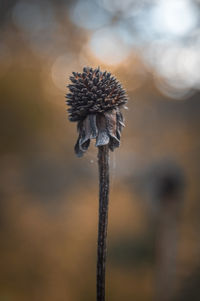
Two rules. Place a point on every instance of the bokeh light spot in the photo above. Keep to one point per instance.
(88, 14)
(62, 68)
(108, 46)
(174, 17)
(32, 17)
(38, 26)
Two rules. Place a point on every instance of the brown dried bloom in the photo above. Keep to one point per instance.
(95, 101)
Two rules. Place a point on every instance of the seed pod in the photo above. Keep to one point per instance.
(95, 102)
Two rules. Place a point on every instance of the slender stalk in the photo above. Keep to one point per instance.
(103, 161)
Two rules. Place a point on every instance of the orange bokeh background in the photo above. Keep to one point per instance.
(49, 198)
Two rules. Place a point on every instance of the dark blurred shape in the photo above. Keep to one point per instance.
(169, 186)
(190, 288)
(5, 7)
(166, 181)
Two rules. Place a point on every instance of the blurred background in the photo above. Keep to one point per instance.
(49, 198)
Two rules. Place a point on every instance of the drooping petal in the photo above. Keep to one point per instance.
(120, 123)
(111, 120)
(78, 151)
(84, 131)
(88, 129)
(120, 118)
(84, 146)
(103, 135)
(93, 126)
(113, 144)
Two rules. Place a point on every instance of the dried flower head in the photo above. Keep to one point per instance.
(95, 100)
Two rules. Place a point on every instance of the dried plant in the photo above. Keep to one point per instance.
(95, 101)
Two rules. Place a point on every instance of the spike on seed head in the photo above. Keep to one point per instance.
(95, 101)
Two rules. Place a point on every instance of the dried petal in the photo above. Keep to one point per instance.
(79, 152)
(93, 126)
(111, 121)
(103, 136)
(114, 143)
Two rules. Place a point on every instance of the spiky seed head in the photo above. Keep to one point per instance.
(93, 91)
(95, 100)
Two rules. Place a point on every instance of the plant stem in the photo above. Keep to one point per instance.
(103, 161)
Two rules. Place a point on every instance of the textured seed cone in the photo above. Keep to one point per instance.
(95, 100)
